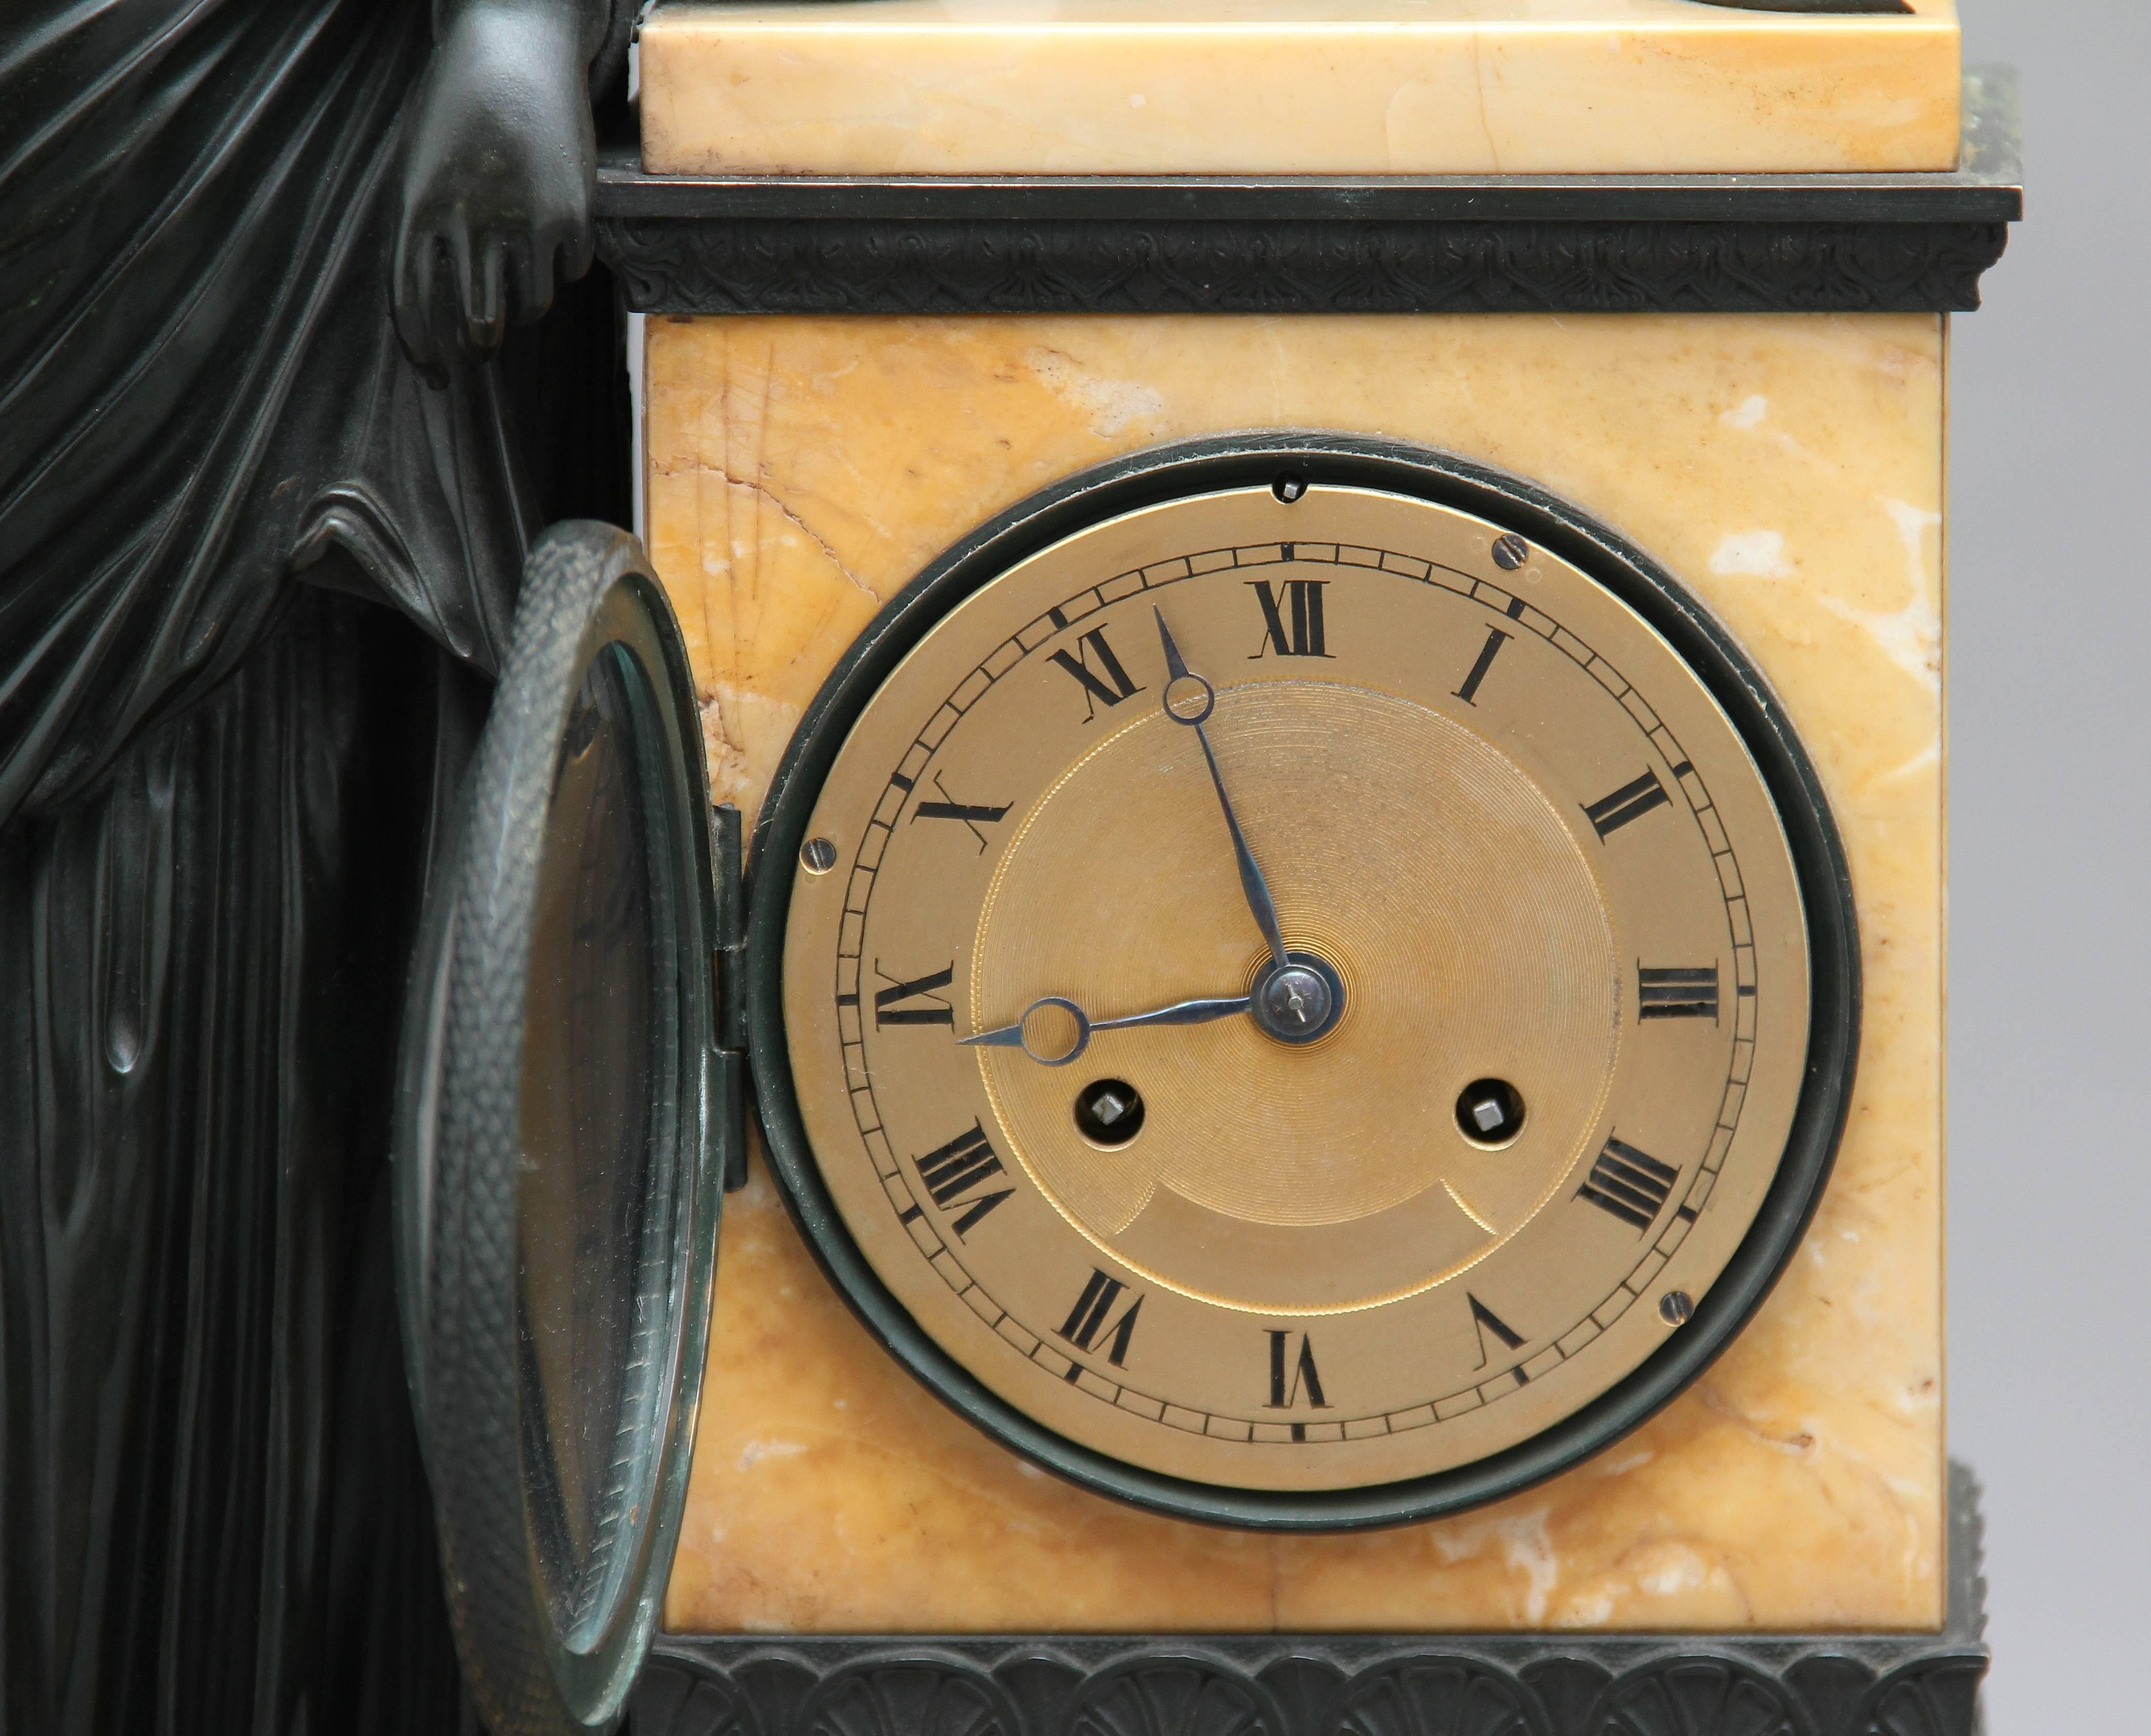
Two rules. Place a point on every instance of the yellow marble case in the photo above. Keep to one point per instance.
(1790, 470)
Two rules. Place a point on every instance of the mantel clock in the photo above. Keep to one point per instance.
(1324, 625)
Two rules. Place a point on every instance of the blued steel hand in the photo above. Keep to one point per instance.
(1185, 1012)
(1251, 875)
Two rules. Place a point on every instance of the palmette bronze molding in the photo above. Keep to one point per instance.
(1563, 1684)
(868, 266)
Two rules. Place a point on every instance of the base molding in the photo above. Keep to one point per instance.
(1504, 1684)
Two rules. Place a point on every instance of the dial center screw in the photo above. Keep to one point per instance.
(1300, 1001)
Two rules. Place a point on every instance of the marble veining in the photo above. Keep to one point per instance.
(1294, 87)
(1790, 469)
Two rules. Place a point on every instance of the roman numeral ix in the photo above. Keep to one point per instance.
(1091, 1319)
(952, 1171)
(1631, 802)
(1112, 689)
(888, 1003)
(1677, 994)
(1292, 617)
(1630, 1184)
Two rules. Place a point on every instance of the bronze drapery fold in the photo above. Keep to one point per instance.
(219, 784)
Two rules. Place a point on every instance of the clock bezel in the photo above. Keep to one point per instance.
(1204, 466)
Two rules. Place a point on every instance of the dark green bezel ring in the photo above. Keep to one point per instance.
(1204, 466)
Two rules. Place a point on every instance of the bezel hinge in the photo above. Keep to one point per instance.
(732, 1085)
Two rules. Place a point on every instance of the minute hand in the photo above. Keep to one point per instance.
(1251, 882)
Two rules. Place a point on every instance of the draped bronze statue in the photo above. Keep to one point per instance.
(259, 541)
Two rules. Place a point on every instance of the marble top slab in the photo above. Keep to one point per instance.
(1294, 86)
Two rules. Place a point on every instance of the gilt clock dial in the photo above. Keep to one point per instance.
(1292, 988)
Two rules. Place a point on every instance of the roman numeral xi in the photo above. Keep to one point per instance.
(1108, 684)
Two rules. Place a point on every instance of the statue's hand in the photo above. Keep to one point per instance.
(499, 169)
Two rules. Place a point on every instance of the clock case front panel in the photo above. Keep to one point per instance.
(1207, 467)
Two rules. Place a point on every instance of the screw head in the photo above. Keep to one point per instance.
(1675, 1308)
(1511, 552)
(819, 855)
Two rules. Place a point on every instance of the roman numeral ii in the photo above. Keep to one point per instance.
(1631, 802)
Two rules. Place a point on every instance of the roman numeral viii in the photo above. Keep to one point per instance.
(1630, 1184)
(1090, 1320)
(1106, 686)
(1631, 802)
(889, 1007)
(1292, 617)
(1677, 994)
(951, 1172)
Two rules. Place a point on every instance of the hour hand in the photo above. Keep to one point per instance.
(1183, 1012)
(1194, 710)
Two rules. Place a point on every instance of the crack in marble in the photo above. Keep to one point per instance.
(762, 492)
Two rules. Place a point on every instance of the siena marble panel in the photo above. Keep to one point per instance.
(1790, 470)
(1294, 87)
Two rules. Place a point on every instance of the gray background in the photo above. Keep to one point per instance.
(2049, 1187)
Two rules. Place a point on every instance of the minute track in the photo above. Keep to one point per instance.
(1678, 778)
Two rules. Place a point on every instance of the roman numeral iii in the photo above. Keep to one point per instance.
(1109, 684)
(1686, 993)
(951, 1172)
(1090, 1320)
(1631, 802)
(889, 1007)
(1292, 617)
(1630, 1184)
